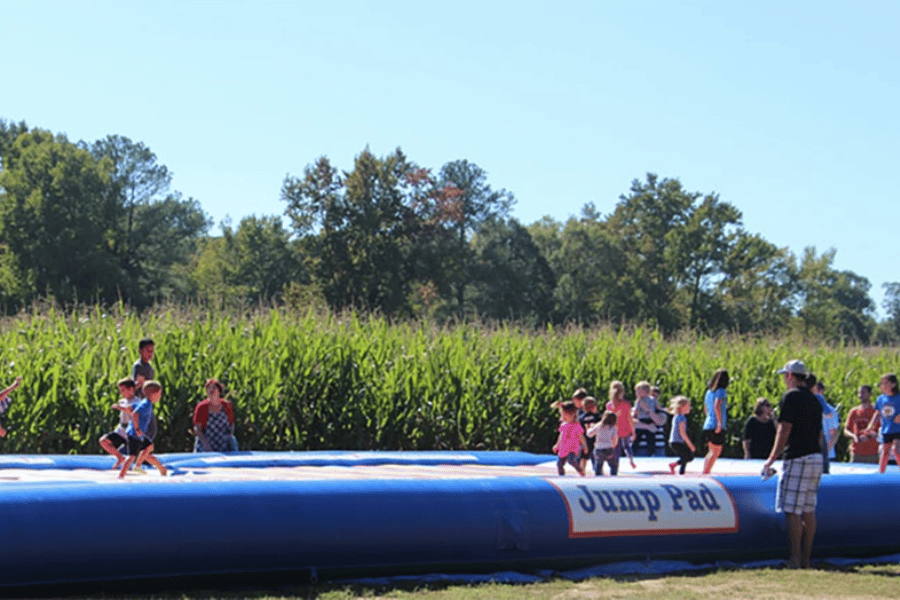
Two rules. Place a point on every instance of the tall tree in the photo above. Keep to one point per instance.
(264, 261)
(358, 228)
(56, 217)
(512, 277)
(646, 223)
(154, 228)
(471, 203)
(834, 305)
(587, 264)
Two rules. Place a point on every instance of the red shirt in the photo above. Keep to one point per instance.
(201, 412)
(858, 420)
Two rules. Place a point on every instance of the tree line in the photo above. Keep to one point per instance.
(98, 222)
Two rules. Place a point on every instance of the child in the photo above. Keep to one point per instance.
(606, 441)
(646, 419)
(5, 401)
(622, 407)
(587, 418)
(571, 442)
(119, 437)
(140, 445)
(142, 371)
(679, 439)
(887, 410)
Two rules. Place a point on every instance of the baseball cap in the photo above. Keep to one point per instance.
(793, 366)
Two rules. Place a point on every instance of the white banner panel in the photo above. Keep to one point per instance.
(620, 506)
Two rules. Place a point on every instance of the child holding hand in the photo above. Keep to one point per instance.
(606, 442)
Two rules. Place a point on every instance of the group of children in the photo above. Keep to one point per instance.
(586, 434)
(137, 423)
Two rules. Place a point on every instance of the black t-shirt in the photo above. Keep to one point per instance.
(761, 436)
(586, 420)
(804, 412)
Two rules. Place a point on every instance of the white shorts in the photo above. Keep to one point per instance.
(798, 485)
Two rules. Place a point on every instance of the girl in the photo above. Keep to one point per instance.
(679, 440)
(606, 440)
(571, 442)
(716, 409)
(887, 410)
(622, 407)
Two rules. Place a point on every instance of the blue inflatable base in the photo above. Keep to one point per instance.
(70, 519)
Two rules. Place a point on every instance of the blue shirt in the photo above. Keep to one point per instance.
(675, 435)
(144, 411)
(712, 417)
(888, 407)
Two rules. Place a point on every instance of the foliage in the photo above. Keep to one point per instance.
(304, 381)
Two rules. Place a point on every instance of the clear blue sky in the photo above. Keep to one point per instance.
(785, 108)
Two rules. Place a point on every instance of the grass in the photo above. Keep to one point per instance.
(861, 582)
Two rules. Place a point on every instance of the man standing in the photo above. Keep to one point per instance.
(799, 436)
(864, 447)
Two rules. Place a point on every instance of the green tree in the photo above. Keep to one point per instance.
(468, 203)
(891, 306)
(834, 305)
(648, 224)
(155, 229)
(264, 261)
(9, 131)
(357, 230)
(512, 277)
(57, 217)
(759, 286)
(587, 265)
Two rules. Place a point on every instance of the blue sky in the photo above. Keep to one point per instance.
(786, 109)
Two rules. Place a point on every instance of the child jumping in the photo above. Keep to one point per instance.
(606, 441)
(5, 400)
(140, 446)
(679, 440)
(571, 442)
(111, 442)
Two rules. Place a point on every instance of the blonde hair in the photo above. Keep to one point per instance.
(643, 385)
(616, 391)
(677, 402)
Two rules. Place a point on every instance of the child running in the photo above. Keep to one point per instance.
(679, 440)
(622, 407)
(571, 443)
(111, 442)
(140, 445)
(606, 442)
(5, 401)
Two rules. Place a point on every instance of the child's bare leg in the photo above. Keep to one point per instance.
(885, 456)
(108, 446)
(896, 447)
(154, 461)
(125, 466)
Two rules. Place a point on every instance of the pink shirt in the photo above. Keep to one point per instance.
(623, 417)
(569, 438)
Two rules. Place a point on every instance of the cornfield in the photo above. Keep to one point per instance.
(311, 381)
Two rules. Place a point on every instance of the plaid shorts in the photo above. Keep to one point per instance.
(798, 485)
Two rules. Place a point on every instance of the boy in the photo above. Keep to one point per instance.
(111, 442)
(5, 401)
(140, 445)
(142, 370)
